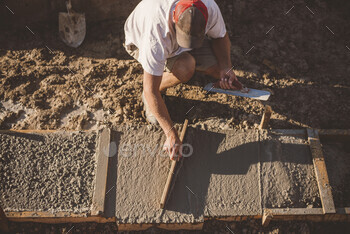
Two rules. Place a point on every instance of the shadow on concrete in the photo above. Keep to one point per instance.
(110, 198)
(223, 164)
(213, 156)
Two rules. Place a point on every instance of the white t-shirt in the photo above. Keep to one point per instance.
(150, 27)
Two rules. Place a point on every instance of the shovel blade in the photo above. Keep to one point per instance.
(72, 28)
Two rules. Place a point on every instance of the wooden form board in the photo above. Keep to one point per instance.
(321, 172)
(166, 226)
(305, 214)
(339, 135)
(171, 174)
(59, 217)
(335, 134)
(38, 131)
(103, 154)
(3, 221)
(266, 117)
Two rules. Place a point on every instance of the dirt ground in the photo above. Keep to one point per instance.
(212, 226)
(285, 47)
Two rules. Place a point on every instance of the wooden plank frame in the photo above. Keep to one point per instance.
(321, 172)
(171, 173)
(103, 154)
(266, 117)
(68, 217)
(338, 135)
(286, 214)
(305, 214)
(166, 226)
(3, 221)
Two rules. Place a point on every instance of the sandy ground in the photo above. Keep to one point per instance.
(280, 46)
(47, 172)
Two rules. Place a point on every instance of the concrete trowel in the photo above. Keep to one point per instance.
(245, 92)
(72, 26)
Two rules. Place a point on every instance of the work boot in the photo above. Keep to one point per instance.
(148, 114)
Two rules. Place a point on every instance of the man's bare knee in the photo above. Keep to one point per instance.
(184, 67)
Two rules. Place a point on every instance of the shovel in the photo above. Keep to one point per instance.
(72, 26)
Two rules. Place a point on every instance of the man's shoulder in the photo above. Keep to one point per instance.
(155, 4)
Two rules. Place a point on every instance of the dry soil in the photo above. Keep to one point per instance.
(298, 50)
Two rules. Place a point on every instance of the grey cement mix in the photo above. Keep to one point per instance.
(287, 172)
(47, 172)
(236, 172)
(142, 170)
(220, 178)
(337, 158)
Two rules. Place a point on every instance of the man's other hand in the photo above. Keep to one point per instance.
(229, 81)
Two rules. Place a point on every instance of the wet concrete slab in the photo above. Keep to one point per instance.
(337, 158)
(220, 178)
(224, 173)
(47, 172)
(287, 172)
(140, 171)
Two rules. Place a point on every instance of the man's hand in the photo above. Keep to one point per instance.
(159, 110)
(229, 80)
(173, 146)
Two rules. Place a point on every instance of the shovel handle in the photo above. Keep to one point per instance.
(69, 6)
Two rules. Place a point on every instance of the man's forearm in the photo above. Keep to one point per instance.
(156, 103)
(222, 51)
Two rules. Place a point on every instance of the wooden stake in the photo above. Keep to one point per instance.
(266, 118)
(172, 170)
(3, 221)
(267, 217)
(321, 172)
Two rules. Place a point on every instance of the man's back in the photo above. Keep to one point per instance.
(151, 29)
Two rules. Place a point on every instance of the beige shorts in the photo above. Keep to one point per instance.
(204, 57)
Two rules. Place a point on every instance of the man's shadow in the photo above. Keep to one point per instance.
(216, 154)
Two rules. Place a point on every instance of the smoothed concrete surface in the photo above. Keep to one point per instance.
(287, 172)
(220, 179)
(47, 172)
(140, 179)
(222, 174)
(229, 173)
(337, 158)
